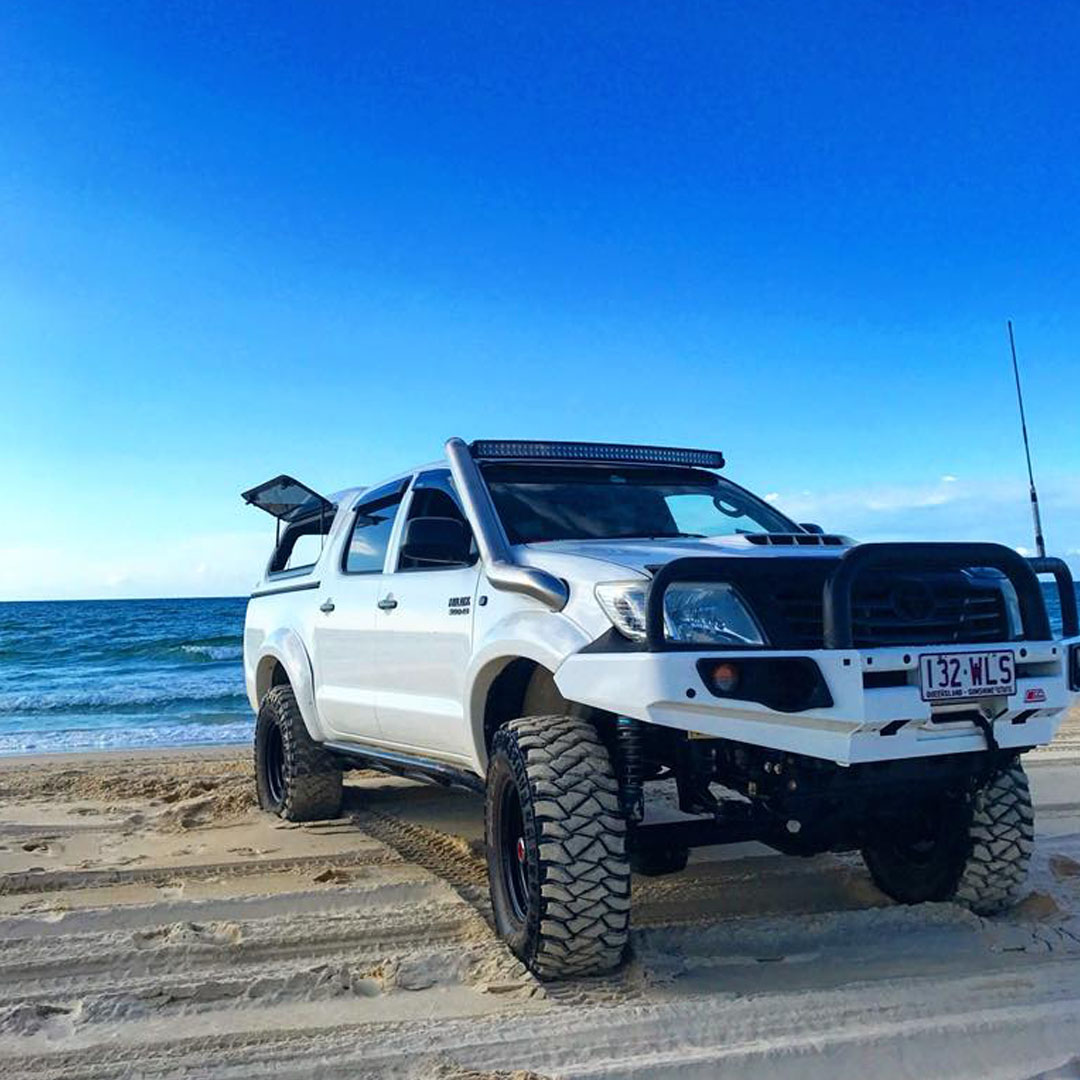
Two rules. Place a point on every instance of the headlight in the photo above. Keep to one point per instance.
(707, 613)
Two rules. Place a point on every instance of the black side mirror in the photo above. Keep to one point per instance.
(810, 527)
(437, 541)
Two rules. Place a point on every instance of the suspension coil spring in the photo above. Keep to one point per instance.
(630, 736)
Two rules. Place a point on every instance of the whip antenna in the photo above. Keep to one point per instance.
(1040, 544)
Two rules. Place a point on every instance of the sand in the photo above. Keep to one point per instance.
(154, 924)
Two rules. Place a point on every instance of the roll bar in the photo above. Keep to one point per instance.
(500, 567)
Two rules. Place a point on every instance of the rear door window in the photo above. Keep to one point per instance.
(365, 552)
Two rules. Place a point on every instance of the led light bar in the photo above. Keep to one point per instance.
(615, 453)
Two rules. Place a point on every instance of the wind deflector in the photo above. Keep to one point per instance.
(288, 500)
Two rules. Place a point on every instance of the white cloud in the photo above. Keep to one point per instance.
(950, 508)
(204, 564)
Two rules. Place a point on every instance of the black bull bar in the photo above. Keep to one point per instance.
(838, 586)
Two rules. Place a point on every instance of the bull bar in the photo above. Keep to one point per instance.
(838, 587)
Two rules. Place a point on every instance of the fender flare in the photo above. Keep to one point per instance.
(285, 647)
(545, 637)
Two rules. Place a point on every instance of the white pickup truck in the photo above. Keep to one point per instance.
(559, 625)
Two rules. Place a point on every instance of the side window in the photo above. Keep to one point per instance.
(431, 502)
(433, 497)
(366, 550)
(305, 552)
(301, 545)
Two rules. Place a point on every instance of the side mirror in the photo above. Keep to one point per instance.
(810, 527)
(437, 541)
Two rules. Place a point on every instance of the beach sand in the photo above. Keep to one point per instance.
(153, 923)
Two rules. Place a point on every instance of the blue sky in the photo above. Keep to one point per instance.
(244, 238)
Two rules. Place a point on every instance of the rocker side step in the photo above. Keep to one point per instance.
(412, 766)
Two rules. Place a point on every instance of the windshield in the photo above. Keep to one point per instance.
(538, 503)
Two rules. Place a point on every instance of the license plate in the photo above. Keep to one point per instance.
(948, 676)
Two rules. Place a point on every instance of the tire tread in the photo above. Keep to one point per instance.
(1002, 838)
(584, 893)
(313, 778)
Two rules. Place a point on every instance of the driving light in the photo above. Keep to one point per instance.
(610, 453)
(725, 676)
(784, 683)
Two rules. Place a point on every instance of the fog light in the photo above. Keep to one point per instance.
(783, 683)
(725, 677)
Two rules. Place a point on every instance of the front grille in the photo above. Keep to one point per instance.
(956, 612)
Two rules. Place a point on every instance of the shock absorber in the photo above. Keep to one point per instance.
(630, 738)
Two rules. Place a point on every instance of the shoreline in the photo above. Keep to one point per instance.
(1067, 740)
(196, 751)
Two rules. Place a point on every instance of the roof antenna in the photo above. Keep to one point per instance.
(1040, 544)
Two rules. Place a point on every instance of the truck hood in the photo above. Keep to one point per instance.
(640, 554)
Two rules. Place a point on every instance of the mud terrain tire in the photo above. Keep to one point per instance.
(979, 857)
(556, 847)
(295, 777)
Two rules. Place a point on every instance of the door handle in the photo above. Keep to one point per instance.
(387, 603)
(327, 605)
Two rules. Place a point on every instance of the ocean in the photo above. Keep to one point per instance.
(105, 674)
(117, 674)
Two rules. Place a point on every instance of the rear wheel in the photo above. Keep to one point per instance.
(556, 847)
(975, 853)
(295, 777)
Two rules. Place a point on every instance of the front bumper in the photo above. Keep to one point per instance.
(864, 723)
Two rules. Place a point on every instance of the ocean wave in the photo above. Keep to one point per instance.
(96, 650)
(125, 738)
(124, 695)
(214, 652)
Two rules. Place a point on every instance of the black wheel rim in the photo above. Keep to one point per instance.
(513, 852)
(919, 840)
(275, 765)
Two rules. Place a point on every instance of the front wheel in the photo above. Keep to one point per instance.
(975, 853)
(556, 847)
